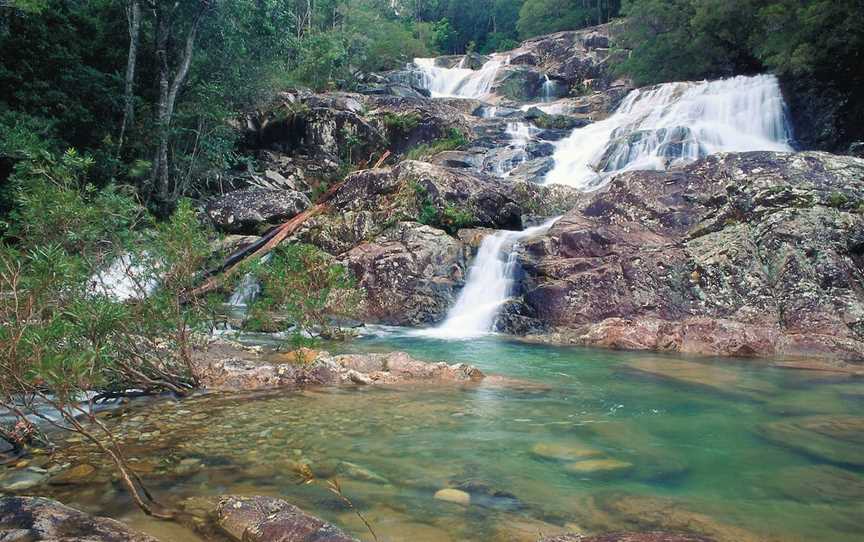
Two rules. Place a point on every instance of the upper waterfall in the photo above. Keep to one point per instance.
(459, 81)
(675, 123)
(489, 285)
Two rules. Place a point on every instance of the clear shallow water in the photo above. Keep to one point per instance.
(684, 443)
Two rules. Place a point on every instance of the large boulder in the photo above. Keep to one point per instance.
(370, 201)
(267, 519)
(248, 210)
(35, 518)
(411, 274)
(756, 254)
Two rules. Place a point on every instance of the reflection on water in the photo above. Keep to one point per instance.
(606, 441)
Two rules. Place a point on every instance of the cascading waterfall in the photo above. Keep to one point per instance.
(489, 285)
(458, 81)
(248, 289)
(547, 91)
(128, 277)
(519, 134)
(675, 123)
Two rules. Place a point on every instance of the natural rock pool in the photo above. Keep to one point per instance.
(587, 440)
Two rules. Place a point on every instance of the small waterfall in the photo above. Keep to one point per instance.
(248, 289)
(672, 124)
(489, 285)
(547, 91)
(246, 292)
(128, 277)
(458, 81)
(519, 134)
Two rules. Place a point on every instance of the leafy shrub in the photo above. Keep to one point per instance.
(455, 139)
(302, 289)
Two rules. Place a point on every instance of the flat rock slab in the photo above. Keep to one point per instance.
(267, 519)
(29, 519)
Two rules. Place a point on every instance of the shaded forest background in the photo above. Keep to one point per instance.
(147, 89)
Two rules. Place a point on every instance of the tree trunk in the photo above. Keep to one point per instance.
(133, 14)
(169, 88)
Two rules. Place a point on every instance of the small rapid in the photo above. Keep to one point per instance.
(490, 283)
(675, 123)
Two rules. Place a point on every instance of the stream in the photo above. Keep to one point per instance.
(586, 440)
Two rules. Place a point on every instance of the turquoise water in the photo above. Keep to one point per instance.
(580, 440)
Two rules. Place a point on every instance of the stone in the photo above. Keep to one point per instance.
(651, 536)
(563, 452)
(836, 439)
(598, 466)
(453, 495)
(21, 480)
(36, 518)
(817, 483)
(79, 474)
(247, 211)
(738, 254)
(358, 472)
(267, 519)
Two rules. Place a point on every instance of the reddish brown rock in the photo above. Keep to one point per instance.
(266, 519)
(753, 254)
(36, 518)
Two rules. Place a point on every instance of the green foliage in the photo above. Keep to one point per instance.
(448, 216)
(455, 139)
(400, 125)
(546, 16)
(302, 289)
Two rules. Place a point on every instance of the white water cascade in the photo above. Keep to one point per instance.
(519, 134)
(459, 81)
(248, 289)
(675, 123)
(127, 278)
(489, 285)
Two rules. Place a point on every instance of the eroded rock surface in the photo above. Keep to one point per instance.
(228, 366)
(267, 519)
(35, 518)
(752, 254)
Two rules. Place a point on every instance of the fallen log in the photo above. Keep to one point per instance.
(215, 277)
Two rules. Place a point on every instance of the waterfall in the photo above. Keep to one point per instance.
(489, 285)
(519, 134)
(248, 289)
(547, 91)
(128, 277)
(675, 123)
(458, 81)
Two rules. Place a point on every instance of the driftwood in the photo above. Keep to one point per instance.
(270, 240)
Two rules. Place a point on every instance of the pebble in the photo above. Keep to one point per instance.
(453, 495)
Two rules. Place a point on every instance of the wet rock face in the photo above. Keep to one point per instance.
(411, 274)
(267, 519)
(36, 518)
(752, 254)
(246, 211)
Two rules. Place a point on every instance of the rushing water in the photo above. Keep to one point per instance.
(675, 123)
(489, 285)
(458, 81)
(683, 442)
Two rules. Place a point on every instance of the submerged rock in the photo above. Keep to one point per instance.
(35, 518)
(836, 439)
(598, 466)
(453, 495)
(652, 536)
(267, 519)
(563, 452)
